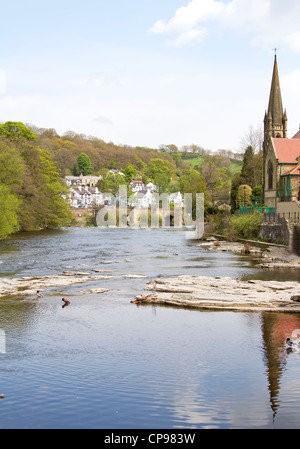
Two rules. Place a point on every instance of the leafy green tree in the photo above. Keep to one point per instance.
(11, 167)
(84, 164)
(251, 173)
(42, 194)
(111, 183)
(256, 194)
(193, 182)
(17, 132)
(244, 195)
(112, 165)
(235, 183)
(218, 179)
(160, 172)
(9, 207)
(130, 173)
(55, 192)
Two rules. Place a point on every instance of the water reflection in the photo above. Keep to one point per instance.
(275, 330)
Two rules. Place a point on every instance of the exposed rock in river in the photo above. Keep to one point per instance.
(222, 293)
(271, 256)
(28, 285)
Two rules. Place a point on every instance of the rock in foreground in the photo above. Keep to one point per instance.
(222, 293)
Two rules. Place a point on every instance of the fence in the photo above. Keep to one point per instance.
(293, 217)
(251, 209)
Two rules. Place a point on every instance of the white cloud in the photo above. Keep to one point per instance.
(188, 16)
(271, 22)
(186, 21)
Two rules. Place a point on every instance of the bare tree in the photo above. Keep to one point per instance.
(254, 137)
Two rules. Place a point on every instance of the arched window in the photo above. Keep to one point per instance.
(270, 175)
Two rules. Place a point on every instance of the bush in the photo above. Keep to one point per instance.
(247, 226)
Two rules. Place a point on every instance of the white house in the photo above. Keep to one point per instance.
(84, 197)
(81, 180)
(176, 198)
(152, 187)
(137, 185)
(141, 198)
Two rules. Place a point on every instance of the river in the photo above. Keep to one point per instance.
(104, 363)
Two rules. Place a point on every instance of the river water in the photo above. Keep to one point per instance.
(103, 362)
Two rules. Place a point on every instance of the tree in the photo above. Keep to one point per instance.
(9, 206)
(130, 173)
(192, 182)
(58, 214)
(171, 148)
(254, 137)
(16, 131)
(211, 174)
(256, 194)
(235, 183)
(251, 173)
(11, 167)
(247, 173)
(160, 172)
(42, 193)
(244, 196)
(84, 164)
(111, 183)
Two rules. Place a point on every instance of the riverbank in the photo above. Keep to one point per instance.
(269, 255)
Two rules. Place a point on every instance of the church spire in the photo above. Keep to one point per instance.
(276, 118)
(275, 102)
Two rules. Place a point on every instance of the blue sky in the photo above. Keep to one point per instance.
(149, 72)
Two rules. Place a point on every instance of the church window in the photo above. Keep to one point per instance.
(270, 175)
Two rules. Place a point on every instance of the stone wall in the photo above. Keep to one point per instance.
(282, 232)
(276, 232)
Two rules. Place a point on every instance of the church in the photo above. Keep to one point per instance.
(281, 156)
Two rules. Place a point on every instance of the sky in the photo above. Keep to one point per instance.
(149, 72)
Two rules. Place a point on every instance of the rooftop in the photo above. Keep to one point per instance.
(287, 150)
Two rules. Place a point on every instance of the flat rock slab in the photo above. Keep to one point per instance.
(222, 293)
(28, 285)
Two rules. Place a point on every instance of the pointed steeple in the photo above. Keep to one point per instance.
(276, 117)
(275, 102)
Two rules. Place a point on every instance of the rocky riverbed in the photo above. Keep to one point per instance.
(269, 256)
(28, 286)
(222, 293)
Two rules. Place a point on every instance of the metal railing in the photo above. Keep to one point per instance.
(293, 217)
(251, 209)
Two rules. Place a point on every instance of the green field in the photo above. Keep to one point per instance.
(236, 166)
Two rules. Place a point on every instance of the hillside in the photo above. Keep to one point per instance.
(65, 150)
(235, 164)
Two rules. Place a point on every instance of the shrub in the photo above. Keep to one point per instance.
(247, 226)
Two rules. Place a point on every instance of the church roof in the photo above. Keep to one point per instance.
(293, 171)
(287, 150)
